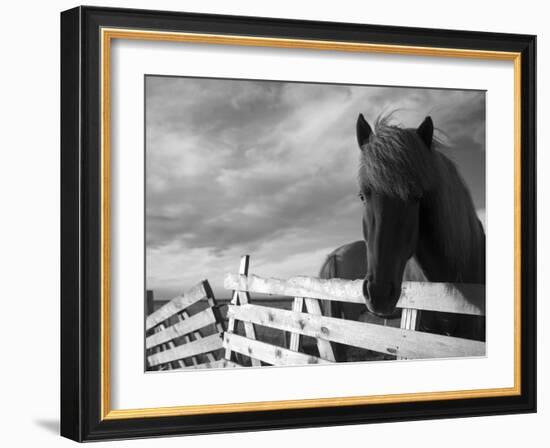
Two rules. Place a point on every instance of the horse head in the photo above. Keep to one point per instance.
(396, 170)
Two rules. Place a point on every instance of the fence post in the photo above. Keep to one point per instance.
(231, 324)
(149, 302)
(149, 308)
(242, 298)
(410, 319)
(297, 307)
(323, 345)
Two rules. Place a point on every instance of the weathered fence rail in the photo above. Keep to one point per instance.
(460, 298)
(189, 332)
(175, 335)
(402, 342)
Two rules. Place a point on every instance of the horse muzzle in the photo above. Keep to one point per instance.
(381, 298)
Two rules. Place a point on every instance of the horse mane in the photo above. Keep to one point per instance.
(396, 162)
(457, 228)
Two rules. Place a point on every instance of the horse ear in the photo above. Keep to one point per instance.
(363, 131)
(426, 131)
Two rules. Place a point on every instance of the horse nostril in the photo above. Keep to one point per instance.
(379, 297)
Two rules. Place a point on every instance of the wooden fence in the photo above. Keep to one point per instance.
(402, 342)
(186, 332)
(189, 332)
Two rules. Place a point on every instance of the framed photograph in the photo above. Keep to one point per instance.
(276, 224)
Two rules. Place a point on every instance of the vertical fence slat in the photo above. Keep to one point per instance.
(149, 308)
(249, 326)
(188, 338)
(231, 325)
(297, 307)
(242, 297)
(409, 321)
(149, 302)
(324, 346)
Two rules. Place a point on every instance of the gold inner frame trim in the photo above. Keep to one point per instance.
(107, 35)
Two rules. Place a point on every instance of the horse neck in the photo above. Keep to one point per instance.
(451, 245)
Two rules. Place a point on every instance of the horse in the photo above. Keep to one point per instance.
(419, 224)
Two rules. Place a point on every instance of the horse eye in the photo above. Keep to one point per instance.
(363, 195)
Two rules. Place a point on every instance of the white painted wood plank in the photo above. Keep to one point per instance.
(409, 321)
(179, 304)
(196, 336)
(188, 338)
(183, 327)
(166, 346)
(393, 341)
(242, 297)
(323, 345)
(270, 354)
(249, 330)
(200, 346)
(459, 298)
(297, 307)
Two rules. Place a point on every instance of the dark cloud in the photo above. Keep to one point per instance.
(269, 168)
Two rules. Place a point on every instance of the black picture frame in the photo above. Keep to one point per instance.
(81, 287)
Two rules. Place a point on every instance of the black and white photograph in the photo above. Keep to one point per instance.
(292, 223)
(288, 219)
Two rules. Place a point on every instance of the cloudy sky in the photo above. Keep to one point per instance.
(269, 169)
